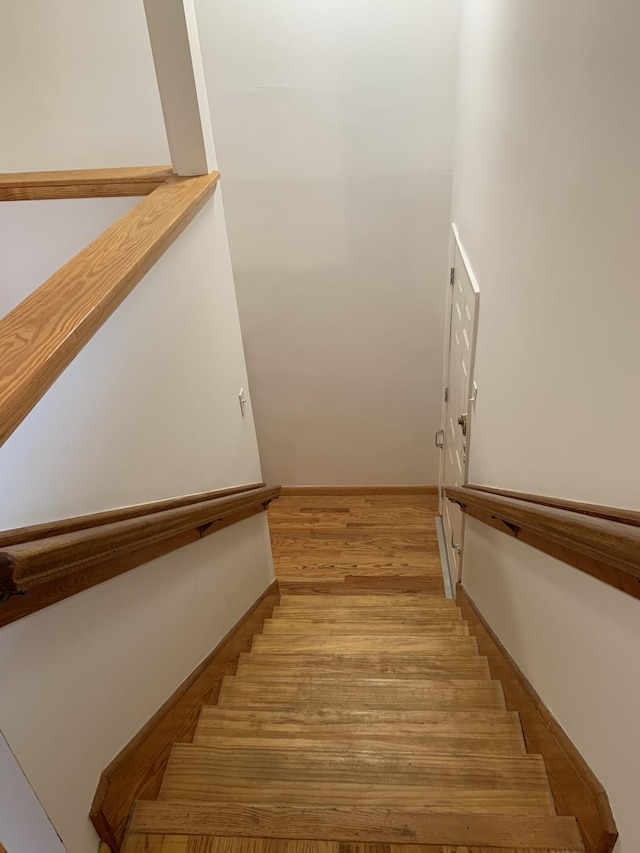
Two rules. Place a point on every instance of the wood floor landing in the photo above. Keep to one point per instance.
(363, 720)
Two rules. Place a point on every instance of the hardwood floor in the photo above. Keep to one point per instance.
(356, 544)
(363, 720)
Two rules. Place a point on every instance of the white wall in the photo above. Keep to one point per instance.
(148, 410)
(24, 826)
(334, 125)
(546, 197)
(78, 87)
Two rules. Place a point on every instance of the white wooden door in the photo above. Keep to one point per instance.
(458, 404)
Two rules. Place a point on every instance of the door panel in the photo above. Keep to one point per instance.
(458, 412)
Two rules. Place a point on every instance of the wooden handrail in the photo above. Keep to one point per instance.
(625, 516)
(27, 564)
(53, 567)
(604, 548)
(96, 519)
(44, 333)
(82, 183)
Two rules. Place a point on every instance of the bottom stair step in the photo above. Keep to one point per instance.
(474, 784)
(184, 821)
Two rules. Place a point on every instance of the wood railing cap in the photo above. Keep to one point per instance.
(42, 335)
(44, 560)
(616, 543)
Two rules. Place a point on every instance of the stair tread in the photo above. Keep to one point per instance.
(380, 665)
(437, 607)
(362, 720)
(356, 824)
(421, 601)
(367, 626)
(372, 599)
(306, 699)
(365, 717)
(364, 692)
(374, 683)
(473, 731)
(374, 617)
(507, 744)
(503, 784)
(292, 611)
(151, 843)
(366, 643)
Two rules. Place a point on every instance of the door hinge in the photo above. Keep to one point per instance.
(452, 276)
(446, 395)
(442, 492)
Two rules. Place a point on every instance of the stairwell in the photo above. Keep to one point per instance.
(363, 720)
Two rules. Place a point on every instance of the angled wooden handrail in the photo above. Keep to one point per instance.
(607, 549)
(30, 563)
(44, 333)
(84, 522)
(72, 558)
(625, 516)
(82, 183)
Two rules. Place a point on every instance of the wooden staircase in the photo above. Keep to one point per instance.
(359, 723)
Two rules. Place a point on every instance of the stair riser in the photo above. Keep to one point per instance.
(396, 630)
(366, 644)
(382, 745)
(274, 670)
(366, 666)
(435, 606)
(429, 800)
(444, 699)
(480, 833)
(395, 721)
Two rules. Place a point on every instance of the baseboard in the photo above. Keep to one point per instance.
(292, 491)
(137, 771)
(576, 790)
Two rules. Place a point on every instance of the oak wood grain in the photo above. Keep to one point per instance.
(28, 564)
(95, 519)
(393, 732)
(610, 542)
(45, 594)
(507, 784)
(596, 568)
(366, 665)
(365, 603)
(45, 332)
(395, 826)
(156, 843)
(340, 491)
(437, 626)
(624, 516)
(82, 183)
(354, 544)
(359, 644)
(348, 722)
(370, 693)
(576, 790)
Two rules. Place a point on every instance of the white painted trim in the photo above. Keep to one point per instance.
(175, 45)
(465, 259)
(445, 369)
(444, 558)
(456, 243)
